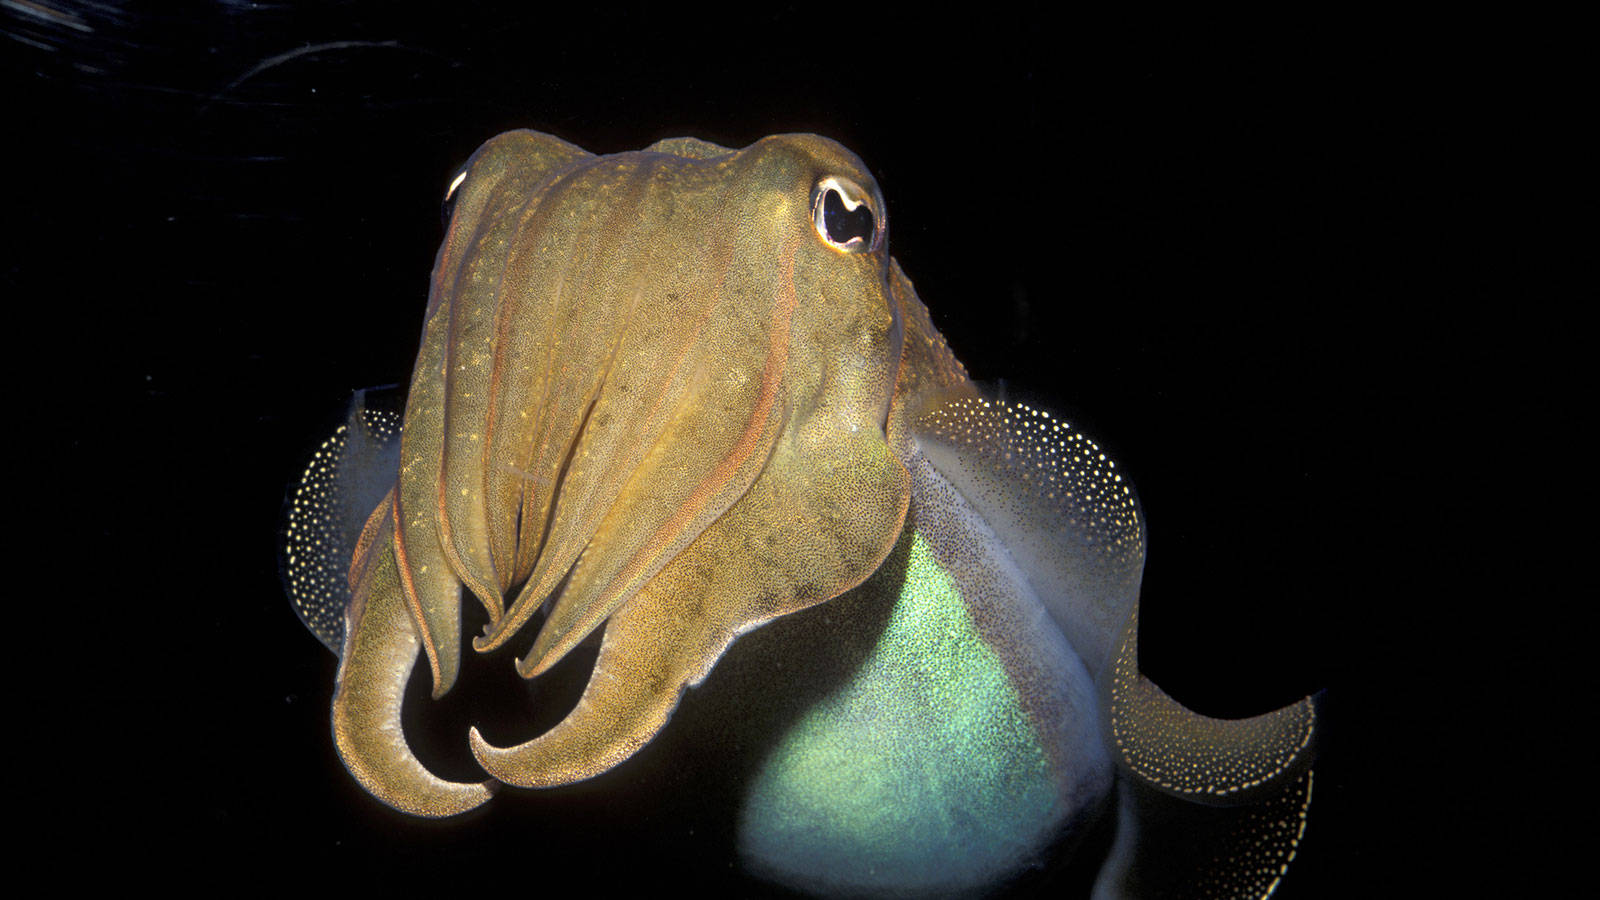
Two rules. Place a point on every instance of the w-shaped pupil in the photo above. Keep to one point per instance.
(842, 224)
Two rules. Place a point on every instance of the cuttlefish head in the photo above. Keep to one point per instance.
(651, 397)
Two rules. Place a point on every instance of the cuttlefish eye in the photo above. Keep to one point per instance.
(844, 216)
(447, 206)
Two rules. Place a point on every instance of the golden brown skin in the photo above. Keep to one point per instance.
(659, 393)
(650, 395)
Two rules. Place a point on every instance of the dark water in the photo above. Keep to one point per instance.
(1191, 247)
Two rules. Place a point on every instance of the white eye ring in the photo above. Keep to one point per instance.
(447, 206)
(852, 198)
(455, 183)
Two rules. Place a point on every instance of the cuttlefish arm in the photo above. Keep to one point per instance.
(779, 550)
(827, 500)
(443, 539)
(678, 393)
(651, 397)
(381, 646)
(405, 576)
(343, 568)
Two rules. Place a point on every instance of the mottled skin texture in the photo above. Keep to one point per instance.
(658, 394)
(636, 375)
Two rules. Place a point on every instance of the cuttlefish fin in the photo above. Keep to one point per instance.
(1071, 521)
(1057, 502)
(344, 479)
(1167, 847)
(1209, 807)
(820, 519)
(1217, 762)
(382, 641)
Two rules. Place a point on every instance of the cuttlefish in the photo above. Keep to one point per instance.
(678, 396)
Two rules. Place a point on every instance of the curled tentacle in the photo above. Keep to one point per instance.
(381, 646)
(678, 393)
(748, 568)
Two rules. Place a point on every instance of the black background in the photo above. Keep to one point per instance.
(1208, 246)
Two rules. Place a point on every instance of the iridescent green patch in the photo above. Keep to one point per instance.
(921, 771)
